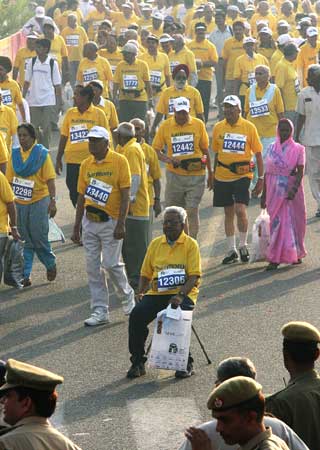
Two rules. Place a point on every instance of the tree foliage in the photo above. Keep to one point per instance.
(14, 14)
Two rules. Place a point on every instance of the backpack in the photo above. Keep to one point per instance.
(51, 62)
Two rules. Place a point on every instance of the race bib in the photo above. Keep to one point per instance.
(96, 25)
(155, 77)
(234, 143)
(173, 64)
(98, 192)
(171, 279)
(259, 108)
(171, 105)
(78, 133)
(22, 188)
(26, 62)
(113, 69)
(72, 40)
(90, 75)
(297, 85)
(6, 97)
(251, 78)
(182, 145)
(130, 82)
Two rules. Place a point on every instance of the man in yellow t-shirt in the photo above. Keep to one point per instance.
(153, 172)
(206, 58)
(4, 154)
(244, 68)
(11, 92)
(182, 55)
(232, 48)
(8, 123)
(235, 141)
(186, 160)
(73, 140)
(75, 37)
(8, 215)
(172, 259)
(94, 67)
(132, 81)
(103, 201)
(22, 56)
(309, 54)
(111, 52)
(286, 78)
(137, 224)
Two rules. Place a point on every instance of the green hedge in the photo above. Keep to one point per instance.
(14, 14)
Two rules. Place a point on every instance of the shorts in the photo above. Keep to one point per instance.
(184, 190)
(227, 193)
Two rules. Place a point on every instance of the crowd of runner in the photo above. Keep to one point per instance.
(127, 86)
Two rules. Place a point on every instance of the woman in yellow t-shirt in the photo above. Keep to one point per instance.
(31, 173)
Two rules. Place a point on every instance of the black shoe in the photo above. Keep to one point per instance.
(272, 266)
(318, 213)
(185, 373)
(136, 371)
(231, 257)
(244, 254)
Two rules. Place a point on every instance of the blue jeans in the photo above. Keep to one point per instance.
(33, 226)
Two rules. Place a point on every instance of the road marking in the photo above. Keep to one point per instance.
(160, 422)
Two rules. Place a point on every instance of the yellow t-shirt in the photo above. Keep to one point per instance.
(75, 127)
(8, 124)
(232, 49)
(244, 70)
(158, 68)
(113, 58)
(111, 114)
(269, 18)
(58, 49)
(39, 180)
(74, 38)
(158, 32)
(286, 78)
(234, 143)
(137, 163)
(94, 19)
(183, 142)
(184, 254)
(99, 69)
(275, 58)
(145, 24)
(120, 22)
(307, 56)
(266, 125)
(266, 52)
(6, 196)
(132, 77)
(153, 169)
(62, 19)
(4, 154)
(185, 56)
(11, 93)
(166, 101)
(114, 171)
(205, 51)
(21, 60)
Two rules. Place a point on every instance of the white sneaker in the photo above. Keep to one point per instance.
(128, 306)
(97, 319)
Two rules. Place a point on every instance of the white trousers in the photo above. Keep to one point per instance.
(103, 253)
(313, 171)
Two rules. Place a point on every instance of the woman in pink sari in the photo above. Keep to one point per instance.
(283, 196)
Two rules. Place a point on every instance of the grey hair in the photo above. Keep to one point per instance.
(126, 129)
(236, 366)
(177, 210)
(139, 121)
(265, 68)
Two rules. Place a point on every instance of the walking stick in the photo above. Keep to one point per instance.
(201, 345)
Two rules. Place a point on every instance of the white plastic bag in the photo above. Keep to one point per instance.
(67, 97)
(55, 233)
(171, 340)
(13, 263)
(260, 237)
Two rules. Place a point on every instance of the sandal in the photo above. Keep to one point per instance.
(272, 266)
(299, 261)
(52, 273)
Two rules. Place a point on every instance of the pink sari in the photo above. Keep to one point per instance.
(287, 217)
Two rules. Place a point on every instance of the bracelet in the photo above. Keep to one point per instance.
(52, 198)
(261, 178)
(13, 227)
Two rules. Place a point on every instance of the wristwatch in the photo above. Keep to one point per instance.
(181, 293)
(52, 198)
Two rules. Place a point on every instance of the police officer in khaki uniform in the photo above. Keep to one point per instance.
(298, 404)
(238, 406)
(29, 399)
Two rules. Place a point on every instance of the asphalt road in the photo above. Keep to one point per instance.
(240, 311)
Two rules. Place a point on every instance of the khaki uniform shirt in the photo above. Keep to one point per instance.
(298, 405)
(35, 433)
(265, 441)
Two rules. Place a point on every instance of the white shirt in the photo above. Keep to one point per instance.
(42, 92)
(279, 429)
(218, 38)
(37, 25)
(309, 106)
(86, 8)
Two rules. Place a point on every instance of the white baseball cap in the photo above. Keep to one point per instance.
(262, 22)
(129, 47)
(166, 38)
(266, 30)
(157, 15)
(249, 40)
(283, 23)
(40, 11)
(98, 132)
(312, 31)
(284, 39)
(182, 104)
(232, 100)
(127, 5)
